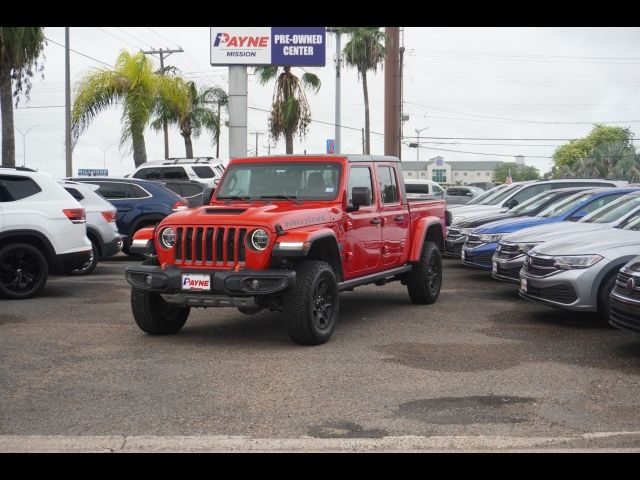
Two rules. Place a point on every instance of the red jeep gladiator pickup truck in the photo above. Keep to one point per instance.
(288, 233)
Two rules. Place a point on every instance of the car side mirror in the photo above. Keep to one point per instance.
(511, 203)
(360, 197)
(577, 216)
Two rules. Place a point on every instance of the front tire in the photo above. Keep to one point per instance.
(425, 279)
(311, 307)
(604, 305)
(23, 271)
(155, 316)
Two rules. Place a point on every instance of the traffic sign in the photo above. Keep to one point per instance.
(331, 145)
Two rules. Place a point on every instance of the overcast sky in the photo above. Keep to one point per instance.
(488, 83)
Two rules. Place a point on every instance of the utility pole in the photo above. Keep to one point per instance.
(24, 144)
(363, 141)
(256, 134)
(104, 155)
(401, 102)
(164, 52)
(67, 105)
(336, 31)
(391, 92)
(268, 147)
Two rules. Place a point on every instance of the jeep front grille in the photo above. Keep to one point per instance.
(221, 246)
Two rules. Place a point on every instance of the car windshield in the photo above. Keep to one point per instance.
(501, 195)
(631, 223)
(534, 203)
(614, 210)
(477, 200)
(565, 205)
(283, 180)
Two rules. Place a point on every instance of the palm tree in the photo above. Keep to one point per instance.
(133, 83)
(191, 112)
(20, 49)
(364, 51)
(290, 111)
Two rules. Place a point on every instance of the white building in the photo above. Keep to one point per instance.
(450, 173)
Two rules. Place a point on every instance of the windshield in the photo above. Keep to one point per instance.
(501, 195)
(534, 203)
(286, 180)
(487, 194)
(614, 210)
(565, 205)
(631, 223)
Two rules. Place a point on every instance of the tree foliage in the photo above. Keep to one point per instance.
(135, 85)
(290, 110)
(519, 173)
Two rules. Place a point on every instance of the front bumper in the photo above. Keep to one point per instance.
(480, 256)
(507, 270)
(227, 287)
(453, 246)
(625, 312)
(566, 289)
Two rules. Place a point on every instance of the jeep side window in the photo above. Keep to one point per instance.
(16, 188)
(358, 177)
(388, 185)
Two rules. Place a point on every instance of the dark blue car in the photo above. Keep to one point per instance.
(140, 203)
(481, 244)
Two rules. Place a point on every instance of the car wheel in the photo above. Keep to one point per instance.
(311, 307)
(23, 271)
(604, 305)
(425, 278)
(90, 264)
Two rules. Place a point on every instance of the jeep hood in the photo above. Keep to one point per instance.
(287, 215)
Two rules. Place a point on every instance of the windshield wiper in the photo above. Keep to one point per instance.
(293, 198)
(235, 197)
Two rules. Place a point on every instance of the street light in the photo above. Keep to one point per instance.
(24, 143)
(418, 130)
(104, 155)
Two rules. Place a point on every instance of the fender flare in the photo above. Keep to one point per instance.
(419, 234)
(304, 237)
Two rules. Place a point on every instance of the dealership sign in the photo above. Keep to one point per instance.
(300, 46)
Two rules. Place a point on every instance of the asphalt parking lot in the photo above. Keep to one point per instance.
(480, 369)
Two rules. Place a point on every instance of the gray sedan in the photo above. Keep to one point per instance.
(578, 273)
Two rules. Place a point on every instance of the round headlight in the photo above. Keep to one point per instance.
(259, 239)
(168, 237)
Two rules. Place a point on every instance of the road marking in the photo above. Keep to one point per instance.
(223, 443)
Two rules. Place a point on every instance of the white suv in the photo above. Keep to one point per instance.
(42, 230)
(205, 170)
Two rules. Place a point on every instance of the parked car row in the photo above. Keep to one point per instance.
(65, 227)
(571, 248)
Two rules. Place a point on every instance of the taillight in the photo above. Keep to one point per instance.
(110, 215)
(181, 204)
(76, 215)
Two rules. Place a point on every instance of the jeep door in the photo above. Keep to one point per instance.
(361, 251)
(394, 217)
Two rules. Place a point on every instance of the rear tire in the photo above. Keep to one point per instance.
(311, 307)
(425, 279)
(23, 271)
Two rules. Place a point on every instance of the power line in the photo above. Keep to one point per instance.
(137, 39)
(80, 53)
(523, 55)
(118, 37)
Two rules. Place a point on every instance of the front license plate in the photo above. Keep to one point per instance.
(523, 285)
(494, 269)
(196, 282)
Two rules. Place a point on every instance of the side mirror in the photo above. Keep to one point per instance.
(360, 197)
(577, 216)
(511, 203)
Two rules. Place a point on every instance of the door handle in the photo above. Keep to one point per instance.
(399, 218)
(375, 221)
